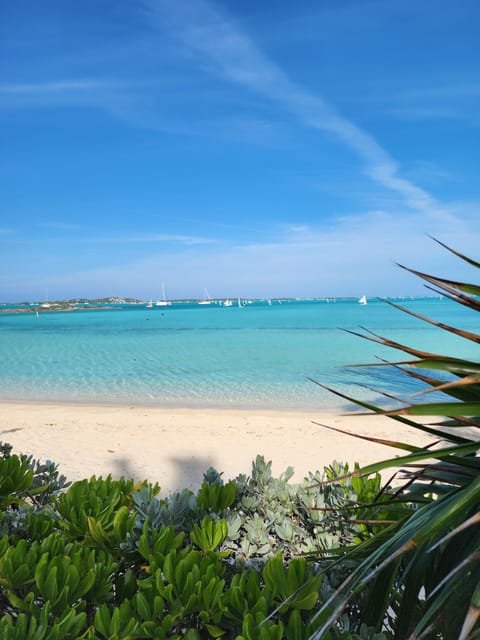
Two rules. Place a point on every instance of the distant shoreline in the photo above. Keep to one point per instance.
(156, 405)
(52, 309)
(116, 304)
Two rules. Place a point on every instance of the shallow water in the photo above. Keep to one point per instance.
(258, 356)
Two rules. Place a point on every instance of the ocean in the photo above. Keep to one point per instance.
(259, 356)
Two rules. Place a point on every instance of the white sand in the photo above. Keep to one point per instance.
(174, 447)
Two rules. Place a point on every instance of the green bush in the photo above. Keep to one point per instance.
(105, 558)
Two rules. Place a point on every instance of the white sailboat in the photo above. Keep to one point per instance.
(227, 303)
(206, 300)
(362, 300)
(46, 304)
(163, 302)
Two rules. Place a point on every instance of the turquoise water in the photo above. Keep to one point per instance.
(258, 356)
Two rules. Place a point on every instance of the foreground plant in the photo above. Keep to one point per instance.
(110, 559)
(420, 576)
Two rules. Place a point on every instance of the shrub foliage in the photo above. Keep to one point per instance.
(109, 559)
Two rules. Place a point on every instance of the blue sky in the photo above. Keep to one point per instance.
(271, 148)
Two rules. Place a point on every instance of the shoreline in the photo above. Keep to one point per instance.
(160, 406)
(174, 447)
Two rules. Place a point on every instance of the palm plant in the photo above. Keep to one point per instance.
(419, 577)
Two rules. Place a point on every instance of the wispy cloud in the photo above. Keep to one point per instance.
(122, 99)
(445, 102)
(134, 102)
(431, 173)
(350, 257)
(60, 226)
(153, 237)
(447, 91)
(107, 95)
(227, 51)
(298, 228)
(427, 112)
(65, 86)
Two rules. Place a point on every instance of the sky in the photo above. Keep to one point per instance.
(257, 148)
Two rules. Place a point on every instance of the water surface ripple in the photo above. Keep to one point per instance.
(259, 356)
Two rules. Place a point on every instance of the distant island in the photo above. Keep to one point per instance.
(114, 302)
(74, 304)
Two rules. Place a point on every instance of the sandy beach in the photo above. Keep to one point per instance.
(174, 447)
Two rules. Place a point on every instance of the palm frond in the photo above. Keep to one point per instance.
(449, 286)
(468, 335)
(474, 263)
(420, 577)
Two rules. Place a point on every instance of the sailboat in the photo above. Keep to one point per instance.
(207, 299)
(46, 304)
(227, 303)
(362, 300)
(163, 302)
